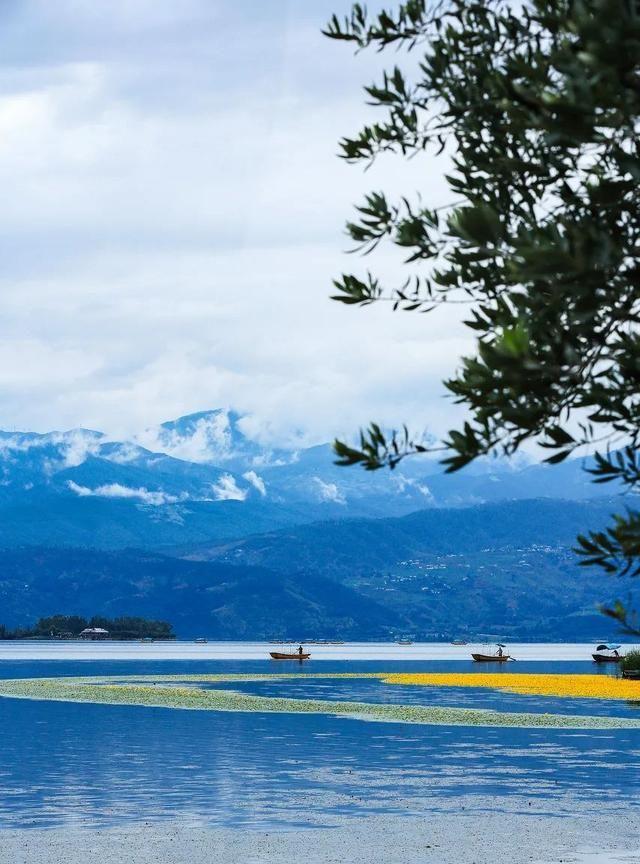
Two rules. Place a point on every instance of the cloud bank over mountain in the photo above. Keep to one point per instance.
(208, 476)
(117, 490)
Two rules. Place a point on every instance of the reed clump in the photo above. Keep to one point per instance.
(631, 662)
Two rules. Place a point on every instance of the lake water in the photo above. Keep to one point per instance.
(98, 765)
(349, 651)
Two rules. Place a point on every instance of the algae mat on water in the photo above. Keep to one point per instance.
(166, 692)
(560, 686)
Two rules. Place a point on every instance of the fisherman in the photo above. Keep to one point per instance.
(499, 650)
(615, 652)
(300, 651)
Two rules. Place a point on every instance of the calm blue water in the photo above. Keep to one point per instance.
(102, 765)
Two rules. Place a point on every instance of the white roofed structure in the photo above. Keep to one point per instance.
(94, 633)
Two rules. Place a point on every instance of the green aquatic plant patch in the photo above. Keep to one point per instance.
(169, 692)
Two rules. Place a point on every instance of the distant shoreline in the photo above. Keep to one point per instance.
(83, 640)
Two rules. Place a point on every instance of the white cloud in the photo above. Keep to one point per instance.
(72, 448)
(116, 490)
(77, 445)
(207, 441)
(173, 217)
(403, 483)
(256, 481)
(20, 444)
(123, 454)
(329, 492)
(226, 489)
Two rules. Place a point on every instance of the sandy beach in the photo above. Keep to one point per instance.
(442, 838)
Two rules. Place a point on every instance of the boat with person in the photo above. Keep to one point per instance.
(278, 655)
(499, 657)
(612, 655)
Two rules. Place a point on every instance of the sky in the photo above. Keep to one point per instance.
(173, 215)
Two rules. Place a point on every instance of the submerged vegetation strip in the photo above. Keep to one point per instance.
(569, 686)
(156, 693)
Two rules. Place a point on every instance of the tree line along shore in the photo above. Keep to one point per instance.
(94, 628)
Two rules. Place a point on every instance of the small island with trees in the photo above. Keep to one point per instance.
(97, 627)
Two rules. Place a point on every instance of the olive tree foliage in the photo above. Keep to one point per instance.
(537, 106)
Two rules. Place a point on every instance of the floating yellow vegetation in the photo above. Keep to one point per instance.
(571, 686)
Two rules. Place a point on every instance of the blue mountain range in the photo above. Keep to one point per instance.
(202, 477)
(246, 527)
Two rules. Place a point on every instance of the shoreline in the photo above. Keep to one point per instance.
(486, 837)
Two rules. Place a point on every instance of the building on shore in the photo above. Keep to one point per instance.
(94, 633)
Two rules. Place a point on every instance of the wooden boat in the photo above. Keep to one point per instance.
(277, 655)
(606, 658)
(201, 640)
(404, 641)
(631, 674)
(459, 642)
(490, 658)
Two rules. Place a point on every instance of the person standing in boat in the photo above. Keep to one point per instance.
(499, 650)
(300, 651)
